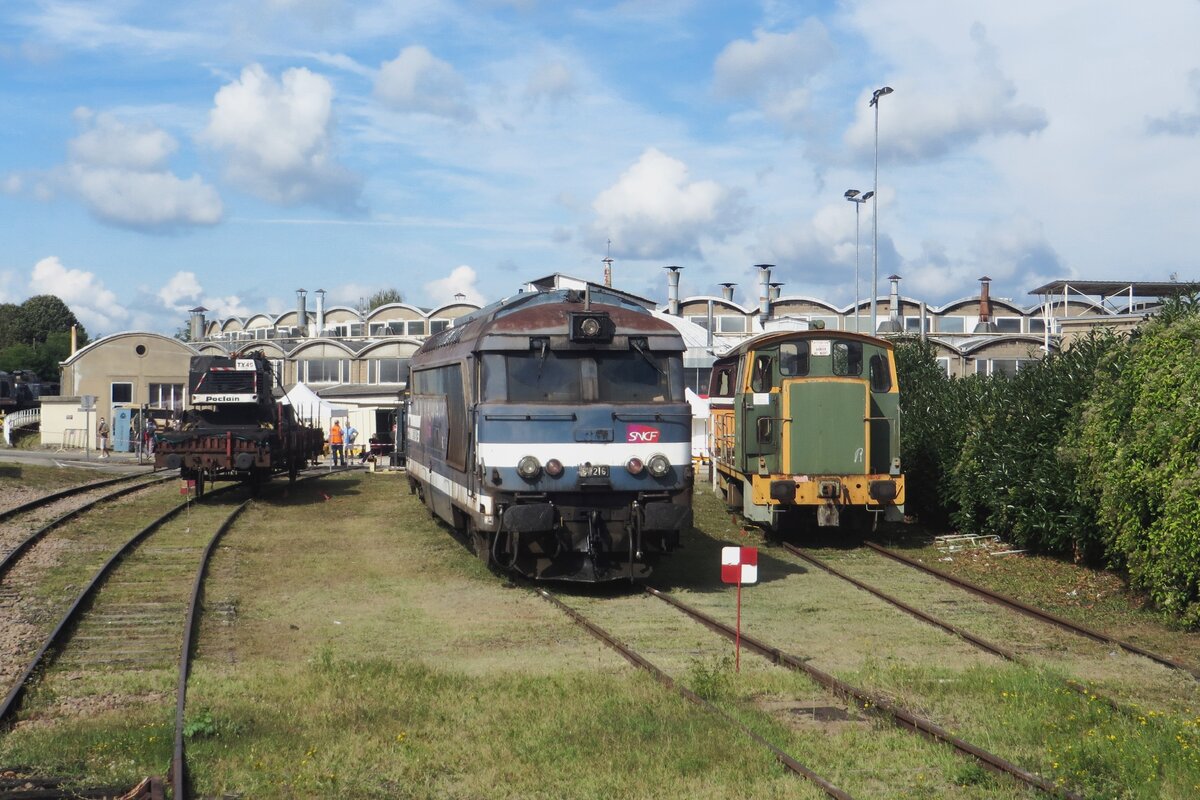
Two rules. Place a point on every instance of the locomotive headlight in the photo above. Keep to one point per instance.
(554, 468)
(659, 465)
(590, 326)
(528, 468)
(635, 466)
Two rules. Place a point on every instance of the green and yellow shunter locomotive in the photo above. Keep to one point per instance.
(807, 423)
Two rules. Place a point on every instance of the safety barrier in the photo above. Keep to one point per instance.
(20, 419)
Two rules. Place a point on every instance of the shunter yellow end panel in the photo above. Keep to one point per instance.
(827, 433)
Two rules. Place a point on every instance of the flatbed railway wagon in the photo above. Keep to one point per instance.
(234, 430)
(807, 424)
(551, 430)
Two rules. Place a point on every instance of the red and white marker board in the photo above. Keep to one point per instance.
(739, 564)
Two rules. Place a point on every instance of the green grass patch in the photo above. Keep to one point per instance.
(15, 474)
(1080, 741)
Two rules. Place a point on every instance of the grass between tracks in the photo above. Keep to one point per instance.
(17, 475)
(351, 648)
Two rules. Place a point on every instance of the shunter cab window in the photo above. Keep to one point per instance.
(721, 384)
(762, 378)
(793, 359)
(881, 376)
(847, 358)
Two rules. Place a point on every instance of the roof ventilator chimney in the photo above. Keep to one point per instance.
(302, 309)
(893, 324)
(764, 292)
(196, 330)
(727, 291)
(673, 290)
(320, 323)
(985, 324)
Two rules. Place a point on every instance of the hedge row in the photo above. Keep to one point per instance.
(1092, 454)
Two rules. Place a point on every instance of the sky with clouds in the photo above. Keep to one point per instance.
(158, 156)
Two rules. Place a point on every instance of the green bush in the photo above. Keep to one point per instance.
(1139, 444)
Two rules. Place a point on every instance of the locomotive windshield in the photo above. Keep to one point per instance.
(610, 376)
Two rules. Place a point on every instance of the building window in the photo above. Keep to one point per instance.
(944, 363)
(1000, 366)
(913, 324)
(863, 324)
(324, 370)
(731, 324)
(831, 323)
(416, 327)
(166, 395)
(1008, 324)
(1037, 325)
(387, 370)
(121, 393)
(701, 321)
(952, 324)
(438, 325)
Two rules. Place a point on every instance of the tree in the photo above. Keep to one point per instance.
(42, 315)
(17, 356)
(10, 324)
(380, 298)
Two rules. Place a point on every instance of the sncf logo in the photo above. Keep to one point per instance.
(642, 433)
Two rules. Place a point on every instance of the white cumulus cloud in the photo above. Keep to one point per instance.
(653, 210)
(932, 122)
(181, 291)
(120, 171)
(277, 138)
(461, 280)
(97, 307)
(418, 81)
(775, 69)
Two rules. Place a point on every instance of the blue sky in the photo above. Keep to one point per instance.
(156, 156)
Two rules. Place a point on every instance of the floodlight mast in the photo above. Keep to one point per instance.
(878, 93)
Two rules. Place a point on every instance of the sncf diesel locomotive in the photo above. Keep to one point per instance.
(807, 423)
(551, 430)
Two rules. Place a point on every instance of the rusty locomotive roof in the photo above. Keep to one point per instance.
(547, 314)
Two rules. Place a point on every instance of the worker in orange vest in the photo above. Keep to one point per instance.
(336, 444)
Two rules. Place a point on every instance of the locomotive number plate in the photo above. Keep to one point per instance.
(593, 470)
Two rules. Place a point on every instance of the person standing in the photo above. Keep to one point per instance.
(336, 444)
(351, 435)
(102, 438)
(151, 429)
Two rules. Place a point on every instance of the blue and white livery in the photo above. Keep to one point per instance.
(551, 430)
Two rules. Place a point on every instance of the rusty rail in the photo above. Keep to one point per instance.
(9, 705)
(37, 535)
(1036, 613)
(900, 715)
(181, 790)
(638, 660)
(37, 502)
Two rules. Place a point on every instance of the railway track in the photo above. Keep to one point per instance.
(856, 696)
(138, 611)
(644, 663)
(897, 714)
(70, 491)
(1036, 613)
(14, 545)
